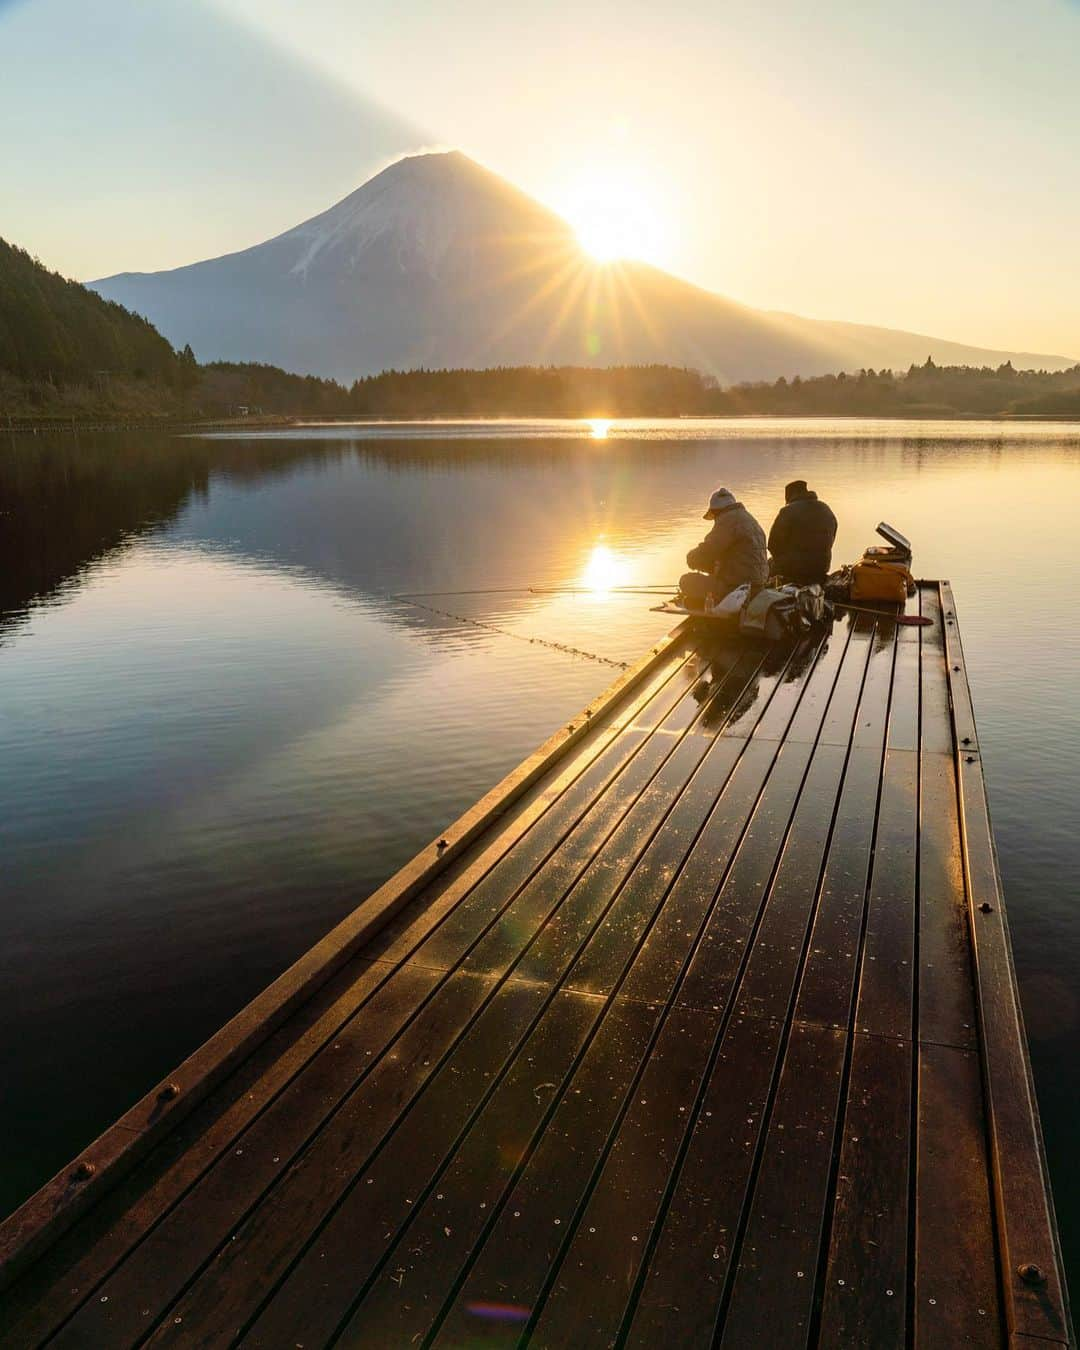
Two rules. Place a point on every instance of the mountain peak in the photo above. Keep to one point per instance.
(421, 206)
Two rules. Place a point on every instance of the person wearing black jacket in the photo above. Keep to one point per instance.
(801, 538)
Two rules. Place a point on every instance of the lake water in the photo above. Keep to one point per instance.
(219, 730)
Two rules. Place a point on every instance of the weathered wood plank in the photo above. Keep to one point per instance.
(365, 1264)
(691, 1265)
(596, 1276)
(772, 1294)
(1036, 1302)
(514, 1256)
(688, 1269)
(866, 1279)
(946, 993)
(955, 1297)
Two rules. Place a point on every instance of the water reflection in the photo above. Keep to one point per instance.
(605, 570)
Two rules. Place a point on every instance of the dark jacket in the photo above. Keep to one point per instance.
(732, 552)
(801, 540)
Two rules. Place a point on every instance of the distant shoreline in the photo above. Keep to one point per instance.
(44, 425)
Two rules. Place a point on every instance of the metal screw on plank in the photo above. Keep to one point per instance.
(442, 844)
(168, 1093)
(1030, 1273)
(969, 759)
(83, 1171)
(985, 907)
(966, 740)
(956, 667)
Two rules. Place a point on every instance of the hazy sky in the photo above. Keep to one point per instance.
(909, 165)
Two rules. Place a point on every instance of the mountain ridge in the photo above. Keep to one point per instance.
(437, 261)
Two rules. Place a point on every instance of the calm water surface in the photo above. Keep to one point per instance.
(219, 730)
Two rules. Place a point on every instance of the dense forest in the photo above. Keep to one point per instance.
(645, 391)
(921, 391)
(58, 332)
(64, 351)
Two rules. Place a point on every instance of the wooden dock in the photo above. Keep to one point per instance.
(700, 1029)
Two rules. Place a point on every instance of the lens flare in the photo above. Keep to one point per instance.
(498, 1312)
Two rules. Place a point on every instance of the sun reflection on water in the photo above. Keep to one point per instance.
(599, 427)
(604, 570)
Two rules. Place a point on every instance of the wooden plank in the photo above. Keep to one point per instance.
(955, 1297)
(655, 841)
(683, 910)
(1027, 1231)
(946, 992)
(557, 918)
(904, 708)
(25, 1233)
(866, 1280)
(815, 1051)
(885, 1002)
(772, 1295)
(826, 708)
(364, 1265)
(678, 818)
(512, 1258)
(598, 1269)
(937, 732)
(690, 1266)
(637, 1178)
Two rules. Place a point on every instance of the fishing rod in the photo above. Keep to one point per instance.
(644, 589)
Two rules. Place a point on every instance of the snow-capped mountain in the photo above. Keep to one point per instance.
(436, 261)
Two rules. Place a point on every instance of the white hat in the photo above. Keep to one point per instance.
(719, 501)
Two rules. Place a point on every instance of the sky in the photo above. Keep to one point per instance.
(911, 166)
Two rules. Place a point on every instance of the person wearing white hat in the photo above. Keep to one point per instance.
(731, 554)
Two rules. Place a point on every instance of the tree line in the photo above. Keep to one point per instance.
(66, 350)
(926, 390)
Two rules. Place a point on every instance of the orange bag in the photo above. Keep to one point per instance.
(873, 580)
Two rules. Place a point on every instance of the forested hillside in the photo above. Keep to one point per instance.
(55, 330)
(926, 390)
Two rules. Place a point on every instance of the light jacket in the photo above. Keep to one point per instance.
(733, 551)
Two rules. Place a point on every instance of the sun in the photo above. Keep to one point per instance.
(614, 216)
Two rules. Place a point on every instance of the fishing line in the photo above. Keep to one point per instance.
(563, 647)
